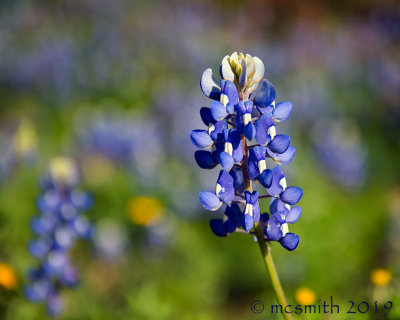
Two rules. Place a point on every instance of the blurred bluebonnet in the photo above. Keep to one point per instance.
(339, 149)
(57, 228)
(108, 135)
(132, 140)
(241, 136)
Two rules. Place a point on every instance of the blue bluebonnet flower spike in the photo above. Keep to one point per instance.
(56, 229)
(241, 136)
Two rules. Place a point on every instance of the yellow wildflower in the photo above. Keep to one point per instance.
(380, 277)
(145, 210)
(305, 296)
(8, 278)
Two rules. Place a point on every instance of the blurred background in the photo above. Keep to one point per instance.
(114, 85)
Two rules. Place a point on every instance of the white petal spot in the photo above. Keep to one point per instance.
(272, 132)
(224, 99)
(246, 118)
(219, 189)
(211, 128)
(283, 183)
(284, 228)
(228, 148)
(262, 166)
(249, 209)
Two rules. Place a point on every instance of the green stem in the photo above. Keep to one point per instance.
(269, 264)
(264, 248)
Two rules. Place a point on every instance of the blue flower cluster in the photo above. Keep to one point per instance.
(241, 136)
(57, 228)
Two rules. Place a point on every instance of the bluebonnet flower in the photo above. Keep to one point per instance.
(241, 137)
(232, 220)
(224, 192)
(57, 228)
(251, 212)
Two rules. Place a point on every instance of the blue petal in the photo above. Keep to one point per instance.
(255, 155)
(64, 237)
(226, 192)
(282, 111)
(44, 224)
(55, 262)
(229, 88)
(82, 227)
(238, 179)
(234, 138)
(239, 125)
(218, 110)
(268, 109)
(201, 139)
(252, 169)
(230, 108)
(218, 133)
(262, 125)
(226, 135)
(265, 95)
(290, 241)
(275, 189)
(238, 153)
(37, 226)
(227, 161)
(50, 201)
(280, 143)
(217, 226)
(216, 153)
(283, 158)
(248, 222)
(250, 131)
(259, 153)
(291, 195)
(209, 200)
(230, 226)
(247, 196)
(256, 212)
(277, 205)
(206, 116)
(40, 248)
(38, 291)
(234, 213)
(265, 178)
(273, 205)
(240, 108)
(254, 198)
(81, 200)
(204, 159)
(209, 85)
(294, 215)
(277, 218)
(248, 105)
(273, 232)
